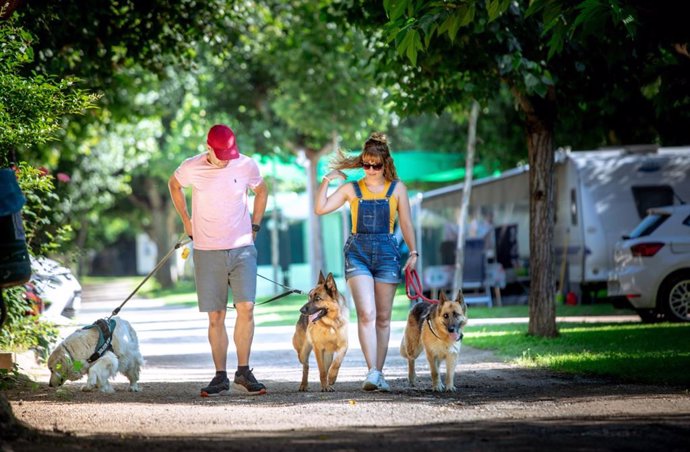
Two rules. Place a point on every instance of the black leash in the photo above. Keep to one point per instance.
(179, 243)
(279, 296)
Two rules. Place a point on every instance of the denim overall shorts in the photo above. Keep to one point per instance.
(373, 250)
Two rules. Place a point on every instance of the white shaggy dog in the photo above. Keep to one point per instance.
(69, 360)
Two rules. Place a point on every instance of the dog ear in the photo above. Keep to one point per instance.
(460, 298)
(330, 285)
(442, 296)
(321, 278)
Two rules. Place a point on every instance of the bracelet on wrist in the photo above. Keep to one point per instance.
(415, 253)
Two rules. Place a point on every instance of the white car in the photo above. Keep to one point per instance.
(652, 265)
(58, 287)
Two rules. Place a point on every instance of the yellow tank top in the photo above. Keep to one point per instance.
(366, 194)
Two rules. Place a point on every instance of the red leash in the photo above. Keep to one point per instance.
(412, 283)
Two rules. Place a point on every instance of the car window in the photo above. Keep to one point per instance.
(686, 222)
(648, 196)
(648, 225)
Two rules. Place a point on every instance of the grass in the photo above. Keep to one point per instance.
(632, 352)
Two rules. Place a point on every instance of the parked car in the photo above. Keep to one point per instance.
(57, 287)
(652, 265)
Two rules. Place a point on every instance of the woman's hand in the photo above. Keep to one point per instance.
(411, 261)
(334, 175)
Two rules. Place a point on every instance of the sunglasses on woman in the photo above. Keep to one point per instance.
(374, 166)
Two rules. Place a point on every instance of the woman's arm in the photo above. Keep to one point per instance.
(405, 220)
(326, 204)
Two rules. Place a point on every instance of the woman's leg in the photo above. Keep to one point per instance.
(384, 295)
(362, 290)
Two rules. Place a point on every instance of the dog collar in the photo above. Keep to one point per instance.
(69, 354)
(428, 322)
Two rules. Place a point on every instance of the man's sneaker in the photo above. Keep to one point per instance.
(247, 383)
(218, 386)
(383, 384)
(371, 382)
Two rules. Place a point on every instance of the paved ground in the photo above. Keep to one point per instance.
(498, 405)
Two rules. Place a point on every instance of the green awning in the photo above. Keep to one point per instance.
(420, 166)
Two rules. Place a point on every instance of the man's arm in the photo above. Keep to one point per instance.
(260, 200)
(180, 203)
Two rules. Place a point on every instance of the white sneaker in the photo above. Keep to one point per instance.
(371, 382)
(383, 384)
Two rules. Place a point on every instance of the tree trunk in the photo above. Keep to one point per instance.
(466, 193)
(542, 309)
(82, 259)
(540, 115)
(160, 205)
(315, 234)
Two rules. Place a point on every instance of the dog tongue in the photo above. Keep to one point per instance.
(455, 336)
(315, 316)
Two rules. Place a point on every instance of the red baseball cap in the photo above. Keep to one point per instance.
(222, 140)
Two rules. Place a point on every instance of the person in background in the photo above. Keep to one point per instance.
(372, 258)
(223, 229)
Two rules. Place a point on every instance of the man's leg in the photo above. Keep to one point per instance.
(244, 331)
(243, 336)
(218, 338)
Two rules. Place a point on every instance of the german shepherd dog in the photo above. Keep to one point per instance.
(322, 325)
(437, 328)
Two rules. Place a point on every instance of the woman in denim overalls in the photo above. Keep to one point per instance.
(372, 259)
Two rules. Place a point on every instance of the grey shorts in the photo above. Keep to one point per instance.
(216, 270)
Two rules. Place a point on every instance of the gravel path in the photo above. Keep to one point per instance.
(497, 404)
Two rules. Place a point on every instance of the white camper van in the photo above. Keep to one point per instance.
(600, 196)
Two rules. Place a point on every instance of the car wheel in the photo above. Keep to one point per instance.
(650, 315)
(674, 297)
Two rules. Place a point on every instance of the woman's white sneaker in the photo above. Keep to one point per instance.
(383, 384)
(371, 382)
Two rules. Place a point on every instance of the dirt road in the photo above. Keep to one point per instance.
(497, 405)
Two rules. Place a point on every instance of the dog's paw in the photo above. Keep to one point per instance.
(134, 388)
(87, 388)
(450, 388)
(107, 390)
(438, 388)
(327, 389)
(303, 388)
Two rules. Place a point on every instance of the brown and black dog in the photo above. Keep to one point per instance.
(322, 325)
(438, 329)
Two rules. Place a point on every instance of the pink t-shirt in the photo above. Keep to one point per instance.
(220, 214)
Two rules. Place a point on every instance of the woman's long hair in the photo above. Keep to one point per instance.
(376, 148)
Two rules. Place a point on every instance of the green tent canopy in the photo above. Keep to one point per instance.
(420, 166)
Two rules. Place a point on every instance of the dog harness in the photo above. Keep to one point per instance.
(105, 337)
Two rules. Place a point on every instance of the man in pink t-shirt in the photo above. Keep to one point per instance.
(223, 230)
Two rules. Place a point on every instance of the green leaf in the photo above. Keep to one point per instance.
(77, 365)
(496, 7)
(396, 8)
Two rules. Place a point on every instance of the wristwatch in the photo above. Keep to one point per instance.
(256, 227)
